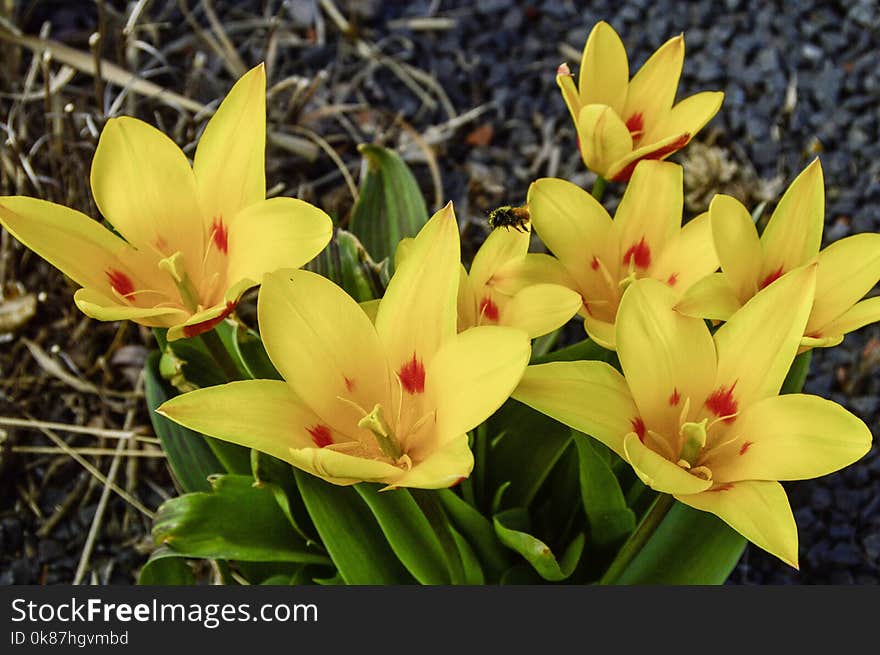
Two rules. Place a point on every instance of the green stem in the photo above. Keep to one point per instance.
(220, 355)
(599, 187)
(637, 540)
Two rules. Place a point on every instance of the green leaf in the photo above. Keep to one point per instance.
(477, 529)
(512, 527)
(350, 534)
(586, 349)
(236, 521)
(472, 571)
(390, 205)
(166, 567)
(347, 263)
(248, 349)
(408, 532)
(523, 430)
(689, 547)
(277, 476)
(609, 518)
(189, 456)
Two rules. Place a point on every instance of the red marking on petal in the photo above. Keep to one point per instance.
(412, 376)
(198, 328)
(635, 124)
(639, 254)
(489, 309)
(745, 447)
(595, 263)
(349, 383)
(723, 487)
(672, 279)
(722, 403)
(563, 69)
(638, 426)
(120, 282)
(627, 171)
(160, 243)
(587, 307)
(675, 398)
(321, 435)
(459, 481)
(770, 279)
(220, 234)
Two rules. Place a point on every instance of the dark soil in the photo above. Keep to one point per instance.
(469, 97)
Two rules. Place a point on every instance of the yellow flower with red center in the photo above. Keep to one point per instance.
(847, 269)
(602, 256)
(193, 238)
(507, 285)
(698, 415)
(621, 121)
(388, 402)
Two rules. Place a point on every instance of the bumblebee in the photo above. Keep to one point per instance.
(510, 217)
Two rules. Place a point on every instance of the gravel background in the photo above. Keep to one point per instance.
(801, 79)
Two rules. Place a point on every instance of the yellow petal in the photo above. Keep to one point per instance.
(260, 414)
(604, 138)
(588, 396)
(712, 298)
(604, 73)
(324, 345)
(441, 468)
(848, 269)
(341, 468)
(467, 302)
(791, 437)
(473, 374)
(371, 308)
(622, 169)
(687, 117)
(688, 257)
(534, 268)
(658, 472)
(602, 332)
(144, 186)
(72, 242)
(737, 244)
(541, 308)
(202, 321)
(418, 311)
(404, 248)
(575, 228)
(794, 231)
(499, 248)
(759, 342)
(758, 510)
(106, 308)
(649, 214)
(273, 234)
(565, 81)
(230, 160)
(653, 88)
(666, 357)
(861, 314)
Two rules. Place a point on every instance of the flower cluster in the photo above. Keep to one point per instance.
(387, 392)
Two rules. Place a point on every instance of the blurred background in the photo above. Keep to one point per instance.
(466, 93)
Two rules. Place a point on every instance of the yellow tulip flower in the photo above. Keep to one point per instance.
(847, 269)
(507, 285)
(193, 238)
(389, 402)
(621, 121)
(699, 416)
(645, 239)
